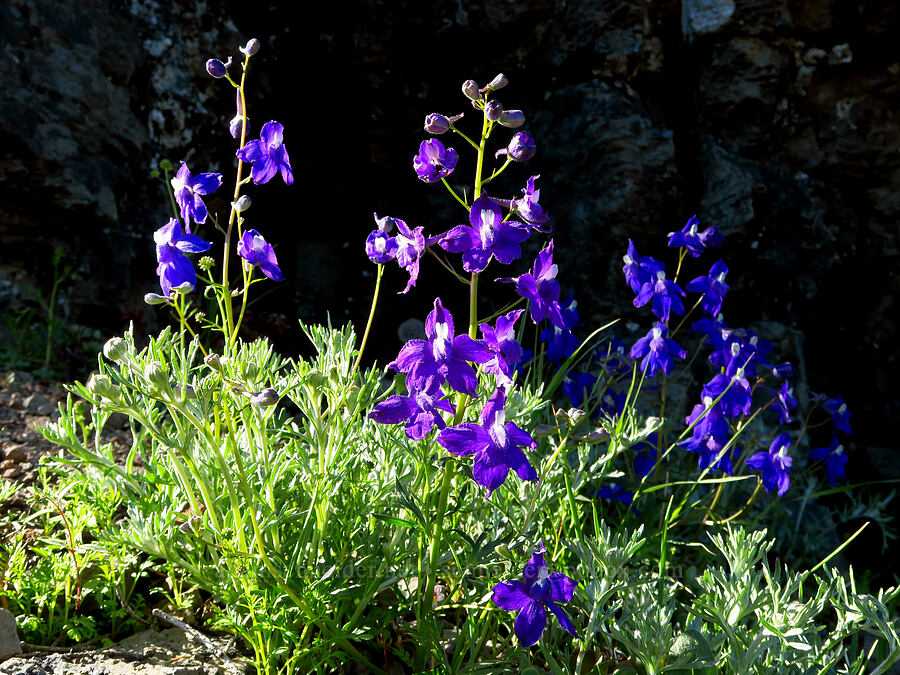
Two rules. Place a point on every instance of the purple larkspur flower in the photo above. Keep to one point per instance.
(834, 457)
(487, 236)
(612, 404)
(541, 289)
(693, 240)
(528, 207)
(531, 598)
(174, 269)
(496, 444)
(639, 269)
(663, 294)
(421, 413)
(577, 386)
(657, 351)
(783, 402)
(616, 493)
(188, 188)
(381, 247)
(434, 161)
(735, 393)
(713, 287)
(561, 343)
(612, 357)
(253, 248)
(774, 465)
(442, 357)
(410, 247)
(748, 353)
(501, 340)
(268, 155)
(840, 416)
(709, 437)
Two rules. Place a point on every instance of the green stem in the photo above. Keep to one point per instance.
(365, 338)
(499, 171)
(453, 192)
(226, 254)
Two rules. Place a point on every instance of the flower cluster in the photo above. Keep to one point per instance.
(268, 155)
(442, 383)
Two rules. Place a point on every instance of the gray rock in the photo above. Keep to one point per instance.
(9, 638)
(704, 16)
(148, 653)
(37, 404)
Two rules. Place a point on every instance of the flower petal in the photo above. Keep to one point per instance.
(530, 624)
(510, 595)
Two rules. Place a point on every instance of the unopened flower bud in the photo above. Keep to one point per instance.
(157, 375)
(266, 397)
(543, 431)
(155, 299)
(596, 436)
(512, 118)
(493, 110)
(251, 47)
(214, 361)
(216, 68)
(498, 82)
(115, 349)
(521, 147)
(436, 123)
(242, 204)
(234, 126)
(470, 89)
(575, 416)
(101, 385)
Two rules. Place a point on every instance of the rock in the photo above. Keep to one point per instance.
(704, 16)
(151, 652)
(9, 638)
(37, 404)
(14, 454)
(727, 200)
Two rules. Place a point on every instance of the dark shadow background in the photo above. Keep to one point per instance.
(773, 119)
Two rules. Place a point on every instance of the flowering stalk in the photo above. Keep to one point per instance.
(462, 401)
(229, 327)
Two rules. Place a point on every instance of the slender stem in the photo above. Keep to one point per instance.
(226, 292)
(365, 338)
(498, 172)
(453, 192)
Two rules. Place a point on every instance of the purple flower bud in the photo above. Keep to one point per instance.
(234, 126)
(250, 48)
(521, 147)
(216, 68)
(493, 110)
(470, 89)
(266, 397)
(512, 118)
(436, 123)
(497, 83)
